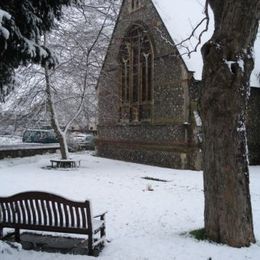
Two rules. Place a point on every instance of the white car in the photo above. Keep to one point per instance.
(80, 141)
(78, 138)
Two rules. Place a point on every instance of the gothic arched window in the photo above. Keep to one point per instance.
(136, 58)
(134, 4)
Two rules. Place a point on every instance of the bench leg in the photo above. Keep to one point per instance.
(90, 245)
(17, 235)
(1, 233)
(103, 229)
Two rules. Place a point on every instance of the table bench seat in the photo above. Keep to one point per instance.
(65, 163)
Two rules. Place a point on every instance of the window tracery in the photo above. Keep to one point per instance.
(135, 4)
(136, 58)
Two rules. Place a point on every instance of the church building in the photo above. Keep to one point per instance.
(147, 90)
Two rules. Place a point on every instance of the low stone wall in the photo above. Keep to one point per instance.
(172, 156)
(25, 150)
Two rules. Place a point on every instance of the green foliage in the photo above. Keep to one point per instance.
(199, 234)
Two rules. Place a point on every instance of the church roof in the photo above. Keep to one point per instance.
(180, 17)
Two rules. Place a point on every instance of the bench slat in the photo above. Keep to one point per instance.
(66, 215)
(10, 212)
(60, 214)
(22, 206)
(54, 212)
(7, 211)
(13, 212)
(18, 211)
(3, 212)
(72, 216)
(50, 216)
(78, 211)
(28, 211)
(43, 206)
(33, 208)
(39, 212)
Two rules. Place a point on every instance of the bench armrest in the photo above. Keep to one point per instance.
(102, 215)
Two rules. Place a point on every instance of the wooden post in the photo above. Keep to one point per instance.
(17, 235)
(90, 231)
(103, 229)
(1, 233)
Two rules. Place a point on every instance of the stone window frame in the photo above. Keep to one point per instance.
(136, 57)
(134, 5)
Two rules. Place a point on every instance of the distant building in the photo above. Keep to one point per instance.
(148, 96)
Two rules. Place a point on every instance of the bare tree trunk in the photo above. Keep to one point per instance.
(228, 64)
(87, 59)
(54, 121)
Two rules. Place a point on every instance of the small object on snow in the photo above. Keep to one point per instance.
(149, 187)
(154, 179)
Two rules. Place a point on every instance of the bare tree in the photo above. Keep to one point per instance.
(80, 41)
(86, 60)
(228, 63)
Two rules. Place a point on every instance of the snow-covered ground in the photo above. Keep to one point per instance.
(10, 140)
(141, 224)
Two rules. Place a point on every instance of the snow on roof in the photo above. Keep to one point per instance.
(180, 17)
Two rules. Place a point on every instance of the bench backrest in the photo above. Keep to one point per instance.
(45, 211)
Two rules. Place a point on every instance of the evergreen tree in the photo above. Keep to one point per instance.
(22, 23)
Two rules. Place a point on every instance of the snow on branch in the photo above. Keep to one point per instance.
(192, 35)
(193, 48)
(3, 31)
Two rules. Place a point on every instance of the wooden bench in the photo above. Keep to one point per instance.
(49, 212)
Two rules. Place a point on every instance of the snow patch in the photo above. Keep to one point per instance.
(4, 14)
(239, 62)
(30, 48)
(197, 118)
(4, 32)
(241, 128)
(10, 140)
(43, 52)
(135, 214)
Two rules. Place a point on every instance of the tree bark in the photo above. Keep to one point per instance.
(54, 121)
(228, 63)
